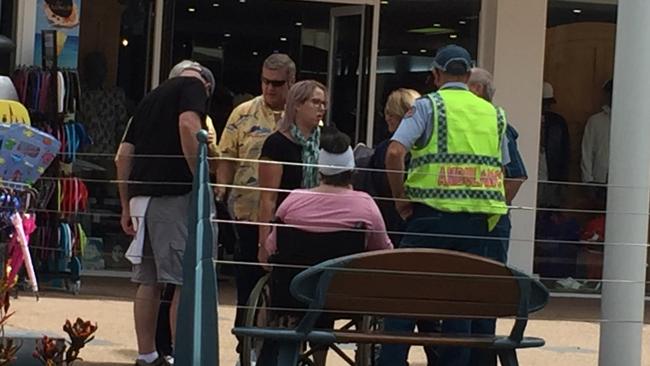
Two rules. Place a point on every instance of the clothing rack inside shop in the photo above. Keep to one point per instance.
(52, 97)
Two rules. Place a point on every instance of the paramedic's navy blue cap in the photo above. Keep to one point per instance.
(452, 53)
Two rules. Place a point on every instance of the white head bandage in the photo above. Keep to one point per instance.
(332, 164)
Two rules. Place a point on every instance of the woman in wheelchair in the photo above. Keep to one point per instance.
(318, 224)
(333, 205)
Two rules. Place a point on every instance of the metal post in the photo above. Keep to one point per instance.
(628, 194)
(197, 338)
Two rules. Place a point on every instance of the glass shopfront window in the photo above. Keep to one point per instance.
(410, 33)
(90, 68)
(114, 49)
(574, 157)
(113, 66)
(234, 38)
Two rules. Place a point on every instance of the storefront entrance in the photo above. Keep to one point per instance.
(330, 42)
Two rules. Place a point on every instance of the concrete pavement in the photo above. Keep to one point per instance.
(570, 327)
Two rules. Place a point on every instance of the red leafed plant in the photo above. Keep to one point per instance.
(8, 348)
(50, 351)
(8, 351)
(80, 333)
(54, 352)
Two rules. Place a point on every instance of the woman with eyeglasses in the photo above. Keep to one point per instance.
(296, 142)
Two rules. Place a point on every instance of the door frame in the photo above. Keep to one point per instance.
(372, 62)
(335, 13)
(25, 25)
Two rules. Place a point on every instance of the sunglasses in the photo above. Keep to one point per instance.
(273, 83)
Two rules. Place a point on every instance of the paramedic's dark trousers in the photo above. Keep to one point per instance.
(462, 232)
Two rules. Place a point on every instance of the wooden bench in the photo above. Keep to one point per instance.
(415, 283)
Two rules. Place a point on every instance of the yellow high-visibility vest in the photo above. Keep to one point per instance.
(460, 168)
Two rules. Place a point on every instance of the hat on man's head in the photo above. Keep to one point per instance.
(205, 73)
(548, 93)
(453, 59)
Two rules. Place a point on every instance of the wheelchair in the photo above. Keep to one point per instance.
(271, 300)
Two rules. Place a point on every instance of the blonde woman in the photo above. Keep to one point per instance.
(295, 141)
(399, 103)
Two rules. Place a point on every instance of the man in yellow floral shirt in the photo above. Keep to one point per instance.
(247, 128)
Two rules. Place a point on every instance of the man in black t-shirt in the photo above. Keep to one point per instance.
(157, 157)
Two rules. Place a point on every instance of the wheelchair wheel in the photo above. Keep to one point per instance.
(255, 316)
(364, 354)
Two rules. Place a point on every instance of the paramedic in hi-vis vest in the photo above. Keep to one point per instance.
(453, 195)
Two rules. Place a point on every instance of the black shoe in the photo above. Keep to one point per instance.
(160, 361)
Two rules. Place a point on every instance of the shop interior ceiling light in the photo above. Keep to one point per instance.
(432, 31)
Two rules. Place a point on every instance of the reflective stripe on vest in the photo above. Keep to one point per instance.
(443, 175)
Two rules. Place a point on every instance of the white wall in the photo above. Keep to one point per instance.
(512, 40)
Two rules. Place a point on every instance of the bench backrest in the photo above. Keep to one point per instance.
(299, 248)
(422, 283)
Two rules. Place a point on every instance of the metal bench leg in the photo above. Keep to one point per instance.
(508, 358)
(364, 354)
(289, 353)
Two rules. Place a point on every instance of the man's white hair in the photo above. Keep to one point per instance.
(483, 77)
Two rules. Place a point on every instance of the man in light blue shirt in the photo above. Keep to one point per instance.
(467, 232)
(416, 127)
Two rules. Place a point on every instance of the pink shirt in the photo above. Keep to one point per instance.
(326, 212)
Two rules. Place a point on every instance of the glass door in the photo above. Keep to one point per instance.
(348, 69)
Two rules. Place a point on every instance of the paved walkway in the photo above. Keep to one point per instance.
(572, 339)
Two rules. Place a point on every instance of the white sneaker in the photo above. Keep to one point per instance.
(253, 359)
(569, 283)
(170, 360)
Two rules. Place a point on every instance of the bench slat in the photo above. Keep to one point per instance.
(434, 287)
(417, 307)
(429, 339)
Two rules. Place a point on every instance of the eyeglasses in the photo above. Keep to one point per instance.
(318, 103)
(273, 83)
